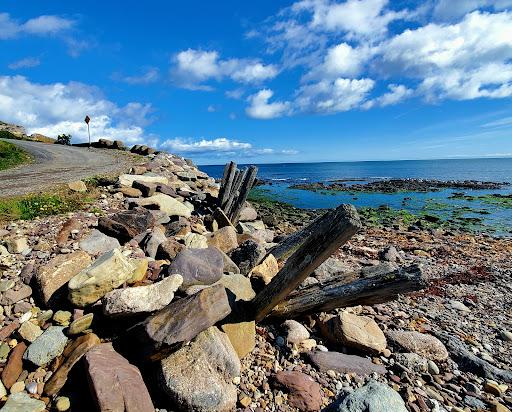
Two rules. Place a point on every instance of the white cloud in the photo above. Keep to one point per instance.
(478, 39)
(357, 18)
(25, 63)
(449, 9)
(341, 60)
(151, 75)
(211, 108)
(194, 67)
(260, 108)
(235, 93)
(491, 81)
(42, 25)
(56, 108)
(397, 93)
(219, 146)
(339, 95)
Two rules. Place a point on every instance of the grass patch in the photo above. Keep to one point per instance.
(11, 155)
(29, 207)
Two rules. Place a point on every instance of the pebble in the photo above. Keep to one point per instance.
(455, 304)
(18, 387)
(506, 335)
(62, 403)
(62, 317)
(32, 388)
(433, 368)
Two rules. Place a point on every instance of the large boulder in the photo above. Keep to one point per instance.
(248, 214)
(422, 344)
(374, 397)
(183, 319)
(108, 272)
(165, 203)
(360, 332)
(198, 377)
(198, 266)
(97, 243)
(127, 224)
(224, 239)
(116, 385)
(141, 299)
(127, 180)
(58, 271)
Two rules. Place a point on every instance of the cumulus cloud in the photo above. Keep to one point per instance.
(56, 108)
(342, 60)
(25, 63)
(339, 95)
(218, 147)
(356, 18)
(41, 25)
(194, 67)
(261, 108)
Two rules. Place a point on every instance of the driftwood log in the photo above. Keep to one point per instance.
(234, 189)
(338, 293)
(290, 244)
(331, 231)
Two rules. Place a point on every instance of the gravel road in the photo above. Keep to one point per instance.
(54, 164)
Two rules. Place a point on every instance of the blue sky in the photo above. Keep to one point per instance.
(266, 81)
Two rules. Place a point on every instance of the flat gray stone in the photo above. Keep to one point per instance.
(198, 266)
(21, 402)
(374, 397)
(98, 243)
(47, 346)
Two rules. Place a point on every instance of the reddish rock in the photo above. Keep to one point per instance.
(305, 393)
(6, 331)
(342, 363)
(14, 365)
(66, 229)
(116, 384)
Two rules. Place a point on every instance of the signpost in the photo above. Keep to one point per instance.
(87, 120)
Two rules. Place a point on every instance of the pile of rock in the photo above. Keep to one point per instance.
(144, 298)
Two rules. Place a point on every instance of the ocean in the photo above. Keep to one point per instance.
(495, 218)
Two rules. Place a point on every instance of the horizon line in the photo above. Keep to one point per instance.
(362, 161)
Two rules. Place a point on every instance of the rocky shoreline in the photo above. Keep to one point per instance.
(128, 306)
(398, 185)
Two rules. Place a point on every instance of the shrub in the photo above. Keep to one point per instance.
(64, 139)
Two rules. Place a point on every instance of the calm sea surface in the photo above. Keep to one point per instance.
(496, 217)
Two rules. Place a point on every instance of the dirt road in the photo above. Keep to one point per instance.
(54, 164)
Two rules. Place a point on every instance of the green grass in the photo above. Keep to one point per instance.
(39, 205)
(11, 155)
